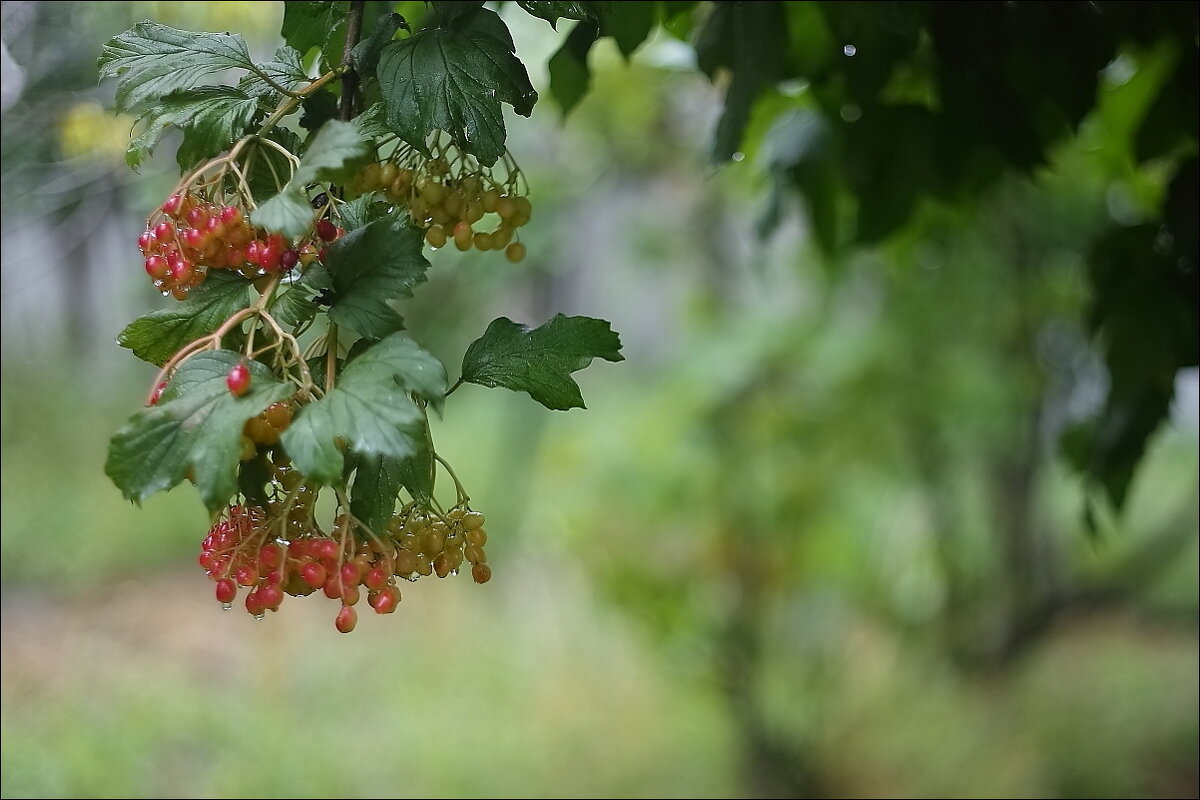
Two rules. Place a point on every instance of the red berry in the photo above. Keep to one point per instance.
(376, 578)
(313, 574)
(231, 215)
(198, 217)
(350, 595)
(226, 590)
(238, 381)
(350, 574)
(173, 206)
(247, 575)
(326, 230)
(385, 602)
(157, 267)
(254, 603)
(270, 596)
(254, 251)
(325, 549)
(181, 271)
(146, 242)
(347, 618)
(289, 259)
(270, 556)
(268, 258)
(193, 238)
(164, 231)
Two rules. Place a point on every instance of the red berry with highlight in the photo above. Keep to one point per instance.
(238, 380)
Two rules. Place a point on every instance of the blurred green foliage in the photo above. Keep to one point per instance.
(813, 538)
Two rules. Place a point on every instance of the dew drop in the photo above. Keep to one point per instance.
(259, 617)
(226, 606)
(849, 50)
(738, 156)
(454, 572)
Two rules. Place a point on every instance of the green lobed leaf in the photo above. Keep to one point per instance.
(371, 265)
(569, 74)
(196, 428)
(157, 336)
(335, 148)
(151, 60)
(371, 409)
(211, 118)
(552, 11)
(453, 78)
(539, 361)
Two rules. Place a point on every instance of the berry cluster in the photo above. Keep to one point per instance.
(246, 548)
(450, 194)
(189, 236)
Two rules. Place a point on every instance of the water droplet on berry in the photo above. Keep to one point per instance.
(259, 617)
(226, 606)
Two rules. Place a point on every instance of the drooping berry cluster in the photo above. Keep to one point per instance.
(189, 236)
(451, 194)
(246, 549)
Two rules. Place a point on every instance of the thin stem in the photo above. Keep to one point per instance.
(450, 391)
(462, 493)
(330, 356)
(350, 77)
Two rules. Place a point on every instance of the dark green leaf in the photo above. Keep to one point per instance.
(365, 55)
(372, 123)
(454, 78)
(151, 60)
(540, 360)
(157, 336)
(361, 210)
(335, 148)
(749, 39)
(569, 75)
(371, 409)
(552, 12)
(307, 24)
(378, 262)
(378, 480)
(629, 24)
(261, 171)
(319, 108)
(195, 428)
(294, 306)
(212, 118)
(253, 476)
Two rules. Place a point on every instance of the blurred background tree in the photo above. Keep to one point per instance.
(826, 495)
